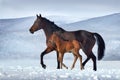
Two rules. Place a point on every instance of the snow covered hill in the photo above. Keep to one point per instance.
(15, 39)
(17, 42)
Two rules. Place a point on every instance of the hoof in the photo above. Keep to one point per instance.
(82, 67)
(66, 67)
(83, 64)
(44, 66)
(58, 67)
(95, 69)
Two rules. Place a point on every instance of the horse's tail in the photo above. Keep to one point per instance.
(101, 46)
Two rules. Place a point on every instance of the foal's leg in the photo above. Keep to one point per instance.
(58, 62)
(80, 57)
(58, 66)
(75, 59)
(64, 65)
(61, 59)
(47, 50)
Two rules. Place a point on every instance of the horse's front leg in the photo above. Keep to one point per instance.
(47, 50)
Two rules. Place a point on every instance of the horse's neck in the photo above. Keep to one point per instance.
(48, 32)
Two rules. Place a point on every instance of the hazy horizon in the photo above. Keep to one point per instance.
(78, 9)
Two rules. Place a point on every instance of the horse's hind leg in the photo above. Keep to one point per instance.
(88, 58)
(47, 50)
(92, 56)
(94, 61)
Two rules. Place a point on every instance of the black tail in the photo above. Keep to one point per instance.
(101, 46)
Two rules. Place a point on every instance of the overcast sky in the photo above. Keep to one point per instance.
(70, 8)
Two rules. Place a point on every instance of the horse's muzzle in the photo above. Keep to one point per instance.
(31, 31)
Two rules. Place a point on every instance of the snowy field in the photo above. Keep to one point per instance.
(31, 70)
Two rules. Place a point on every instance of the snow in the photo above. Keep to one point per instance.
(19, 70)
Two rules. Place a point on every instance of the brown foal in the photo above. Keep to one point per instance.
(63, 46)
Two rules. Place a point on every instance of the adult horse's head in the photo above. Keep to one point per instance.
(38, 24)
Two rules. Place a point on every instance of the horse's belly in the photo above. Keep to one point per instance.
(69, 48)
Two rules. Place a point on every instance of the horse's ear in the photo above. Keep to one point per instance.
(37, 15)
(40, 15)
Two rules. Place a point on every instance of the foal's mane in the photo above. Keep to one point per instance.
(53, 26)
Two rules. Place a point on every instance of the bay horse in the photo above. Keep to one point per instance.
(63, 46)
(86, 38)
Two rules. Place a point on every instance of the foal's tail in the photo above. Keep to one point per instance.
(101, 46)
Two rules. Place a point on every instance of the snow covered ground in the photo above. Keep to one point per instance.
(31, 70)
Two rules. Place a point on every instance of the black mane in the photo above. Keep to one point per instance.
(54, 26)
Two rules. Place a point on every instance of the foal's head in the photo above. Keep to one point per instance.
(38, 24)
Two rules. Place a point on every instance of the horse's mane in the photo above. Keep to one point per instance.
(53, 25)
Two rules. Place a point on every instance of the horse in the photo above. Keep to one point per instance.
(86, 38)
(63, 46)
